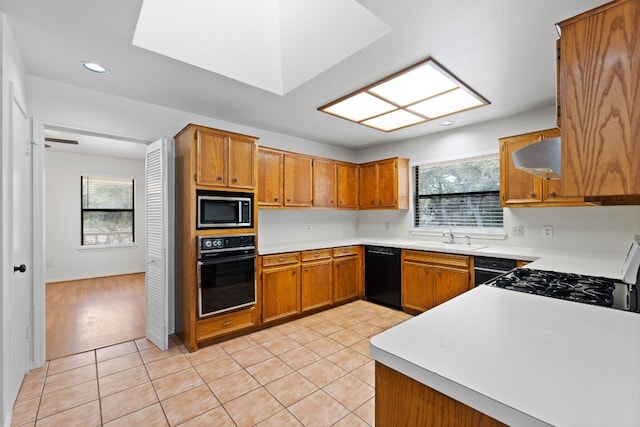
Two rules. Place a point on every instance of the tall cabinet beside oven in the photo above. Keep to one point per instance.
(215, 161)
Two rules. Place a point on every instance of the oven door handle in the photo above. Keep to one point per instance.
(222, 260)
(491, 270)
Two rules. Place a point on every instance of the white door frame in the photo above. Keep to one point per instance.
(39, 296)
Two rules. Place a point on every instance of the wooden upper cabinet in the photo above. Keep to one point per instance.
(324, 183)
(224, 159)
(211, 160)
(347, 185)
(270, 177)
(298, 175)
(242, 154)
(385, 184)
(388, 183)
(368, 186)
(521, 189)
(599, 82)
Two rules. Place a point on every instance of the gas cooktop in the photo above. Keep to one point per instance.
(599, 291)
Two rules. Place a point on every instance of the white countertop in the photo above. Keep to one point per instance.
(589, 263)
(523, 359)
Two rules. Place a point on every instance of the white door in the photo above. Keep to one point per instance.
(159, 241)
(19, 309)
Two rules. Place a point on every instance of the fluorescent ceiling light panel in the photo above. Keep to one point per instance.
(448, 103)
(417, 94)
(418, 84)
(394, 120)
(360, 107)
(276, 45)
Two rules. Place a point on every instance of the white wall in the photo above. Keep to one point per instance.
(607, 229)
(292, 225)
(65, 260)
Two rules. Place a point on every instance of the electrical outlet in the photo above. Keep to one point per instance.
(308, 227)
(547, 231)
(517, 230)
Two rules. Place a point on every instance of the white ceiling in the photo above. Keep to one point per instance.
(504, 49)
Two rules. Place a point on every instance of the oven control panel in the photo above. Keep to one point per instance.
(223, 243)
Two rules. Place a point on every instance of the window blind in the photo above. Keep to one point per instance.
(459, 194)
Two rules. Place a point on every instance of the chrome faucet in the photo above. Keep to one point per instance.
(451, 237)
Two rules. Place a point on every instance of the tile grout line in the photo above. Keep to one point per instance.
(358, 316)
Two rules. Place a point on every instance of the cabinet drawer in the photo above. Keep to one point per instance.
(224, 324)
(280, 259)
(345, 251)
(437, 258)
(316, 255)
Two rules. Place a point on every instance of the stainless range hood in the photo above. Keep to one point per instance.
(541, 158)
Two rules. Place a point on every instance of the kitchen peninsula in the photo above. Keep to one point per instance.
(522, 359)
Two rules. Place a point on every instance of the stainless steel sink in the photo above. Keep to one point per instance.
(445, 245)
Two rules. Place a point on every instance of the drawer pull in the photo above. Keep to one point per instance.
(280, 259)
(228, 323)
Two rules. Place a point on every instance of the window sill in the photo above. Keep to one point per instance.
(459, 232)
(116, 246)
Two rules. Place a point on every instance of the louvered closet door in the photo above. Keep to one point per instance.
(158, 240)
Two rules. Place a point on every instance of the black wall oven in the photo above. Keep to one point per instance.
(226, 273)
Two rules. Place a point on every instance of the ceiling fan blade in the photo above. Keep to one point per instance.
(62, 141)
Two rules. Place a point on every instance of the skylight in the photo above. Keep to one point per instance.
(276, 45)
(422, 92)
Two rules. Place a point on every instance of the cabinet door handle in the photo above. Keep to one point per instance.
(234, 180)
(426, 270)
(552, 194)
(532, 195)
(275, 199)
(219, 178)
(288, 200)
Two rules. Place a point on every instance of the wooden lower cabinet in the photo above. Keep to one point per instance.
(430, 278)
(347, 273)
(224, 324)
(317, 284)
(402, 401)
(280, 278)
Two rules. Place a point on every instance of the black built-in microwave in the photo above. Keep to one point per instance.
(217, 209)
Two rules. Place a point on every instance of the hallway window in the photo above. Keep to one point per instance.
(463, 193)
(107, 210)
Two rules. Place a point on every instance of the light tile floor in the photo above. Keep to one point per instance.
(314, 371)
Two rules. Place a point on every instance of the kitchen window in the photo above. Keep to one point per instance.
(107, 211)
(461, 194)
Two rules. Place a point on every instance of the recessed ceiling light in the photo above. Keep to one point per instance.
(422, 92)
(94, 67)
(446, 123)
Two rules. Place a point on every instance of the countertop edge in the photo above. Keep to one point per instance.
(459, 392)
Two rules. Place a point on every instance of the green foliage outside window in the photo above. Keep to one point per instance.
(107, 210)
(461, 194)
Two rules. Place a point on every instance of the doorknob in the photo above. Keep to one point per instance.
(21, 268)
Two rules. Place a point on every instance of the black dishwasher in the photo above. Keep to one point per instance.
(382, 275)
